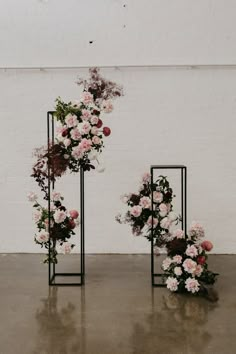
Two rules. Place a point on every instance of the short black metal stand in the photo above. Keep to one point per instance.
(52, 274)
(183, 170)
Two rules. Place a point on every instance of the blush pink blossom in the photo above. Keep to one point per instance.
(157, 197)
(85, 144)
(172, 284)
(77, 152)
(94, 120)
(107, 106)
(86, 97)
(67, 142)
(145, 202)
(75, 134)
(74, 214)
(149, 221)
(207, 245)
(94, 131)
(163, 210)
(178, 271)
(42, 236)
(56, 196)
(59, 216)
(32, 197)
(166, 263)
(84, 128)
(86, 114)
(191, 251)
(172, 216)
(192, 285)
(177, 259)
(37, 215)
(189, 265)
(198, 270)
(71, 120)
(96, 140)
(178, 233)
(146, 177)
(165, 223)
(136, 211)
(66, 247)
(196, 231)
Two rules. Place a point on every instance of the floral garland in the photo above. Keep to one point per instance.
(185, 268)
(140, 211)
(78, 143)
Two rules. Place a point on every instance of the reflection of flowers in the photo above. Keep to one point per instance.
(57, 327)
(182, 317)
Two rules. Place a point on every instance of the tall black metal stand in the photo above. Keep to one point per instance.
(52, 274)
(183, 170)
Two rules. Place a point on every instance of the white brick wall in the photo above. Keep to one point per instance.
(166, 116)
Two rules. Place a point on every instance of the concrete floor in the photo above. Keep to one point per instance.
(117, 312)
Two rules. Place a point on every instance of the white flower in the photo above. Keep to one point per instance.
(192, 285)
(191, 251)
(172, 216)
(124, 198)
(166, 263)
(178, 271)
(76, 103)
(93, 155)
(172, 284)
(42, 237)
(67, 142)
(32, 197)
(59, 216)
(165, 223)
(100, 168)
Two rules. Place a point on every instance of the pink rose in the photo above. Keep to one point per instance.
(136, 211)
(107, 106)
(149, 221)
(178, 233)
(75, 134)
(145, 202)
(86, 97)
(157, 197)
(96, 140)
(74, 214)
(59, 216)
(85, 144)
(165, 223)
(94, 131)
(163, 210)
(77, 152)
(94, 120)
(207, 245)
(189, 265)
(67, 142)
(86, 114)
(84, 128)
(71, 120)
(192, 285)
(191, 251)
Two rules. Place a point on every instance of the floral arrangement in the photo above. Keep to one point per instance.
(79, 140)
(185, 268)
(140, 211)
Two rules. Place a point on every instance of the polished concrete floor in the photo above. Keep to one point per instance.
(117, 312)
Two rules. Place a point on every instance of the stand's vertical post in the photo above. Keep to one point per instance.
(49, 197)
(82, 260)
(152, 244)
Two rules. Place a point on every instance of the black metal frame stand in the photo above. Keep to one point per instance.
(183, 170)
(52, 274)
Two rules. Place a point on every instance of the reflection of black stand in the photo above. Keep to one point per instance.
(52, 274)
(183, 170)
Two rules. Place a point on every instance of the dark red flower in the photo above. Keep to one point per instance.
(106, 131)
(72, 224)
(201, 260)
(99, 123)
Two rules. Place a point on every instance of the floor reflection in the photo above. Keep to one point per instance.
(177, 324)
(61, 327)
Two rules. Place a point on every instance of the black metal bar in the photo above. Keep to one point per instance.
(51, 266)
(183, 170)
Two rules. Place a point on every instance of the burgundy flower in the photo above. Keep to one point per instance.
(106, 131)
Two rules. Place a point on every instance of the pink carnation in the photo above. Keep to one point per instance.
(71, 120)
(66, 247)
(56, 196)
(198, 270)
(84, 128)
(107, 106)
(196, 231)
(163, 210)
(191, 251)
(85, 144)
(94, 120)
(96, 140)
(75, 134)
(42, 236)
(77, 152)
(157, 197)
(59, 216)
(192, 285)
(189, 265)
(172, 284)
(178, 271)
(67, 142)
(165, 223)
(94, 131)
(37, 215)
(86, 114)
(86, 97)
(145, 202)
(178, 233)
(136, 211)
(166, 263)
(149, 221)
(177, 259)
